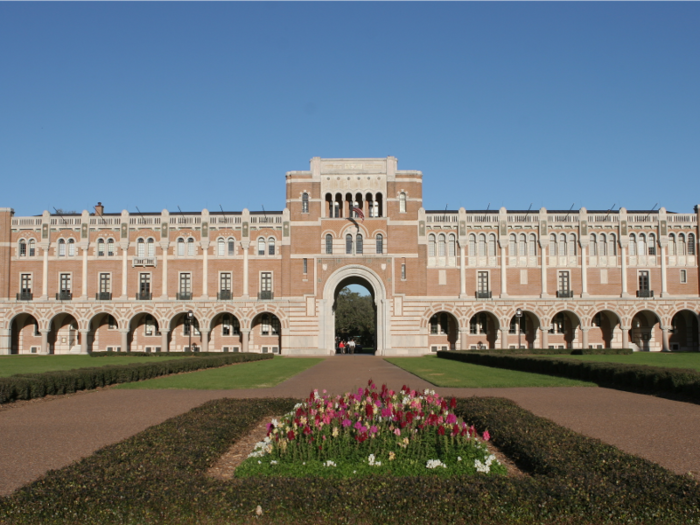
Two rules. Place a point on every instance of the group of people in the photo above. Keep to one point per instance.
(345, 347)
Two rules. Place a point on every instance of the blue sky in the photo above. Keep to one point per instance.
(159, 105)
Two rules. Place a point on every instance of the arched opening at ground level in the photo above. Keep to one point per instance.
(443, 331)
(524, 330)
(355, 319)
(646, 334)
(265, 334)
(684, 332)
(64, 337)
(185, 335)
(605, 330)
(225, 334)
(483, 331)
(103, 334)
(25, 337)
(563, 330)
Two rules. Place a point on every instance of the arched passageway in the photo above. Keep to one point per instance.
(104, 335)
(64, 337)
(684, 332)
(646, 334)
(355, 320)
(605, 330)
(185, 334)
(483, 331)
(266, 334)
(225, 334)
(523, 331)
(443, 331)
(25, 336)
(144, 334)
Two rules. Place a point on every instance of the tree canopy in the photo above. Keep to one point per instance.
(354, 316)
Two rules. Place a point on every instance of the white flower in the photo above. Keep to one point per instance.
(330, 463)
(459, 458)
(259, 462)
(273, 462)
(434, 463)
(373, 462)
(486, 465)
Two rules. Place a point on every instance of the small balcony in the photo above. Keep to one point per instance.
(103, 296)
(565, 294)
(483, 295)
(224, 295)
(645, 293)
(144, 261)
(25, 296)
(266, 295)
(64, 296)
(183, 296)
(143, 296)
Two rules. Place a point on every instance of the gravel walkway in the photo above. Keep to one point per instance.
(41, 435)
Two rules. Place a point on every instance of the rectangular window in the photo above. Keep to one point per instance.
(403, 271)
(22, 249)
(231, 247)
(185, 283)
(265, 330)
(225, 282)
(482, 282)
(100, 249)
(144, 283)
(26, 283)
(564, 282)
(105, 285)
(110, 247)
(266, 282)
(643, 280)
(65, 284)
(226, 325)
(306, 266)
(31, 248)
(684, 276)
(150, 325)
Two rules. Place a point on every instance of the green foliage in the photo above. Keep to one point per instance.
(444, 373)
(689, 360)
(355, 316)
(556, 351)
(158, 477)
(675, 382)
(30, 386)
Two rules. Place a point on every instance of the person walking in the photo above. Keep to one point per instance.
(351, 346)
(341, 347)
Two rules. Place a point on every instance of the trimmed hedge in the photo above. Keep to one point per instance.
(31, 386)
(150, 354)
(158, 476)
(680, 383)
(554, 351)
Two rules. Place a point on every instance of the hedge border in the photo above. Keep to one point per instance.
(157, 476)
(556, 351)
(32, 386)
(677, 383)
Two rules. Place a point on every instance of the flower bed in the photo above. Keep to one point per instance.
(370, 432)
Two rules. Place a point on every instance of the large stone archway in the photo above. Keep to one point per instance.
(354, 274)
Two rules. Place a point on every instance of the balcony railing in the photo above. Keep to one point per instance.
(25, 296)
(64, 296)
(224, 295)
(645, 293)
(143, 296)
(144, 261)
(183, 296)
(565, 294)
(266, 295)
(103, 296)
(483, 295)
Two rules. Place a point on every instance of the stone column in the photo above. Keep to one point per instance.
(665, 336)
(124, 274)
(625, 337)
(84, 283)
(6, 342)
(623, 264)
(164, 277)
(504, 290)
(205, 340)
(544, 250)
(44, 341)
(45, 275)
(125, 339)
(84, 341)
(164, 347)
(584, 337)
(664, 288)
(245, 336)
(462, 274)
(504, 337)
(463, 332)
(205, 271)
(584, 273)
(245, 269)
(544, 337)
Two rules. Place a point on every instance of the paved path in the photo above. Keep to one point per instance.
(49, 434)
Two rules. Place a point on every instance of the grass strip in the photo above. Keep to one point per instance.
(677, 383)
(662, 359)
(158, 476)
(444, 373)
(30, 386)
(259, 374)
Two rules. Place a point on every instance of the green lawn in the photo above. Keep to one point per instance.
(36, 364)
(449, 373)
(666, 359)
(258, 374)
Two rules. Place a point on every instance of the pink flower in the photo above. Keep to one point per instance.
(347, 422)
(451, 418)
(373, 429)
(386, 412)
(487, 436)
(397, 432)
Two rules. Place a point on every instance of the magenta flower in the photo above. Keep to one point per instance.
(346, 422)
(386, 412)
(487, 436)
(451, 418)
(373, 429)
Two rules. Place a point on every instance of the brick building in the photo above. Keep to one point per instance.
(267, 281)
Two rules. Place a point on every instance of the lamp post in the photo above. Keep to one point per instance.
(189, 319)
(518, 315)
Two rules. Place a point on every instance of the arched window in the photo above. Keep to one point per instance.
(691, 244)
(492, 245)
(358, 244)
(402, 202)
(380, 243)
(651, 249)
(441, 245)
(32, 248)
(71, 247)
(431, 245)
(562, 245)
(553, 245)
(271, 246)
(151, 247)
(633, 244)
(190, 246)
(671, 244)
(472, 245)
(181, 246)
(512, 245)
(479, 324)
(612, 245)
(348, 244)
(22, 248)
(572, 244)
(329, 244)
(220, 247)
(451, 245)
(482, 245)
(261, 246)
(532, 245)
(140, 248)
(522, 244)
(61, 248)
(593, 241)
(305, 203)
(231, 246)
(602, 245)
(642, 244)
(681, 244)
(110, 246)
(100, 247)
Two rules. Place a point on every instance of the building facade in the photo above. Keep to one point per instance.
(268, 281)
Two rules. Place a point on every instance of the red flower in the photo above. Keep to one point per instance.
(455, 430)
(441, 430)
(290, 435)
(453, 402)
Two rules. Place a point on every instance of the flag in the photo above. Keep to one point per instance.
(359, 213)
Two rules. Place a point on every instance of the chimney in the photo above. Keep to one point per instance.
(99, 209)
